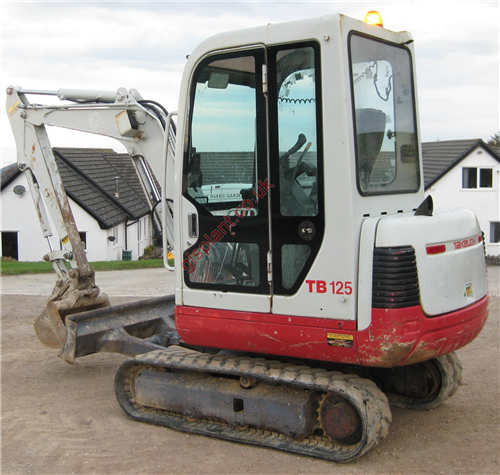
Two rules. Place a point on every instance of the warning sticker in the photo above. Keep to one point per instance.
(340, 339)
(469, 294)
(14, 108)
(65, 239)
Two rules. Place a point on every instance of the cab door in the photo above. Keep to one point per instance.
(225, 196)
(296, 165)
(252, 201)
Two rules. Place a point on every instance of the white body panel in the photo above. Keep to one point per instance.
(449, 280)
(365, 265)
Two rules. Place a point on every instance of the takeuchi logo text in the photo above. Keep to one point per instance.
(465, 243)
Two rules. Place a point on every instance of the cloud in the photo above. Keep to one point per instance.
(143, 45)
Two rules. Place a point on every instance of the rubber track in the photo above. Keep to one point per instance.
(451, 379)
(370, 402)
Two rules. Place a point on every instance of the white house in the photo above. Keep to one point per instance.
(111, 211)
(466, 174)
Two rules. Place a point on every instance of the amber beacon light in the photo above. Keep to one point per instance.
(374, 18)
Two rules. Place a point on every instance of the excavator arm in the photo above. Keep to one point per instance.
(141, 126)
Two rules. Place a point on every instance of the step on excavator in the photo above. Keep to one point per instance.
(315, 285)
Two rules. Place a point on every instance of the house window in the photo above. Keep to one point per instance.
(485, 178)
(495, 232)
(9, 245)
(141, 229)
(469, 177)
(83, 238)
(477, 177)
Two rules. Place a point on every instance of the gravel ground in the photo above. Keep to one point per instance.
(122, 283)
(64, 419)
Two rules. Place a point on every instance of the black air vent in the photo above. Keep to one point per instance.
(395, 278)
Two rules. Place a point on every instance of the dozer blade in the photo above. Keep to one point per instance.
(130, 329)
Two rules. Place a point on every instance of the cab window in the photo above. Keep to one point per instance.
(384, 117)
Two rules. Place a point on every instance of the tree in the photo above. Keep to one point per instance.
(495, 140)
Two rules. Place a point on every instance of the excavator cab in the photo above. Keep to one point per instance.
(321, 134)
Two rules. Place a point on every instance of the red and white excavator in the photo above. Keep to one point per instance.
(315, 284)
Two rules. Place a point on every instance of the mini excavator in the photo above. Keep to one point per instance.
(315, 284)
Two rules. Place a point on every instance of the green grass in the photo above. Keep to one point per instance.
(16, 268)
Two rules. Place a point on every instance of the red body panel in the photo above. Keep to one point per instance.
(395, 337)
(407, 336)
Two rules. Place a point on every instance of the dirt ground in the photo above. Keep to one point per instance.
(64, 419)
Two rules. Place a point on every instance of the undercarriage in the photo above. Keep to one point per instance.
(327, 410)
(310, 411)
(291, 407)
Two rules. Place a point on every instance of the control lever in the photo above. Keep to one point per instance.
(301, 140)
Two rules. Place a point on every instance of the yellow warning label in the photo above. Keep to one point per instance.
(13, 109)
(469, 293)
(65, 239)
(340, 339)
(340, 336)
(468, 290)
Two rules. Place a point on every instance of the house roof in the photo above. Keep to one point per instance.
(440, 157)
(89, 177)
(9, 174)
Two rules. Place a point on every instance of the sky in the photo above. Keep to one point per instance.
(143, 45)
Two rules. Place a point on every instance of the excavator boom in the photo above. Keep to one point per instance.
(137, 124)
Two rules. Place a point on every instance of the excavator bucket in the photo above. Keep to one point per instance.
(79, 320)
(49, 326)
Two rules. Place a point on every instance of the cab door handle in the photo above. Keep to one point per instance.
(192, 225)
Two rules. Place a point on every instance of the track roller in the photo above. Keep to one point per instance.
(437, 379)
